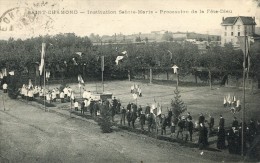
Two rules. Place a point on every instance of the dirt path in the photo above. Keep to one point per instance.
(29, 134)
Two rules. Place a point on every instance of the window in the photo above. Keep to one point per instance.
(238, 34)
(232, 27)
(232, 40)
(238, 27)
(231, 33)
(225, 27)
(225, 33)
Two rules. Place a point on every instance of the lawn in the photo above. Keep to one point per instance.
(199, 99)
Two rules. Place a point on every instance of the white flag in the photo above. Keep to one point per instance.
(118, 58)
(135, 96)
(42, 58)
(80, 79)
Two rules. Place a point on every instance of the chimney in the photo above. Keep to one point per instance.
(223, 19)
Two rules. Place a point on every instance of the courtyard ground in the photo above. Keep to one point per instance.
(29, 134)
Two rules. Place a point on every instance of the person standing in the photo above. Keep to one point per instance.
(62, 97)
(86, 103)
(150, 121)
(123, 115)
(82, 107)
(133, 118)
(203, 136)
(181, 125)
(128, 107)
(221, 141)
(163, 125)
(235, 123)
(251, 131)
(189, 128)
(142, 120)
(5, 87)
(76, 105)
(147, 109)
(211, 124)
(201, 118)
(139, 110)
(128, 117)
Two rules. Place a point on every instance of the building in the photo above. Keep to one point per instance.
(236, 26)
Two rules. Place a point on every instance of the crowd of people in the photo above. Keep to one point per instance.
(182, 127)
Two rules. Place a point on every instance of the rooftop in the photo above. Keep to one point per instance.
(246, 20)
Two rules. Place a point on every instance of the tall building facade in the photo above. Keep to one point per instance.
(236, 26)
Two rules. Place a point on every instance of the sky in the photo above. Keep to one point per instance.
(22, 18)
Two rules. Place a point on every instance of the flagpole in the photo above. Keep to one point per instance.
(4, 101)
(244, 99)
(44, 86)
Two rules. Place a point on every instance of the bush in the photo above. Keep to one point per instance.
(105, 119)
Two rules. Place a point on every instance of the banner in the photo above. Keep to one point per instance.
(42, 58)
(244, 42)
(80, 79)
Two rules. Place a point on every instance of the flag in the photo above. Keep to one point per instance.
(48, 74)
(244, 42)
(175, 69)
(79, 53)
(80, 79)
(30, 83)
(118, 58)
(74, 62)
(4, 72)
(125, 53)
(42, 58)
(11, 73)
(135, 96)
(156, 109)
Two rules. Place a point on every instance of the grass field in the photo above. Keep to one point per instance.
(199, 99)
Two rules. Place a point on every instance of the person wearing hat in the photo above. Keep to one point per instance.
(142, 120)
(201, 118)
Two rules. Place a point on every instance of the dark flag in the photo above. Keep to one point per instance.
(244, 42)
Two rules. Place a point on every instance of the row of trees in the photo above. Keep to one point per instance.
(62, 48)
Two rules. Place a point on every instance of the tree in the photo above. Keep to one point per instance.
(177, 105)
(105, 121)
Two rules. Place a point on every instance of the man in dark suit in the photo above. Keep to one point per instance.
(221, 122)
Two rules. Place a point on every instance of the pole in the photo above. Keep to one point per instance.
(102, 69)
(103, 80)
(44, 86)
(244, 100)
(4, 101)
(177, 80)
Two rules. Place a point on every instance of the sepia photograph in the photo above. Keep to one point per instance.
(142, 81)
